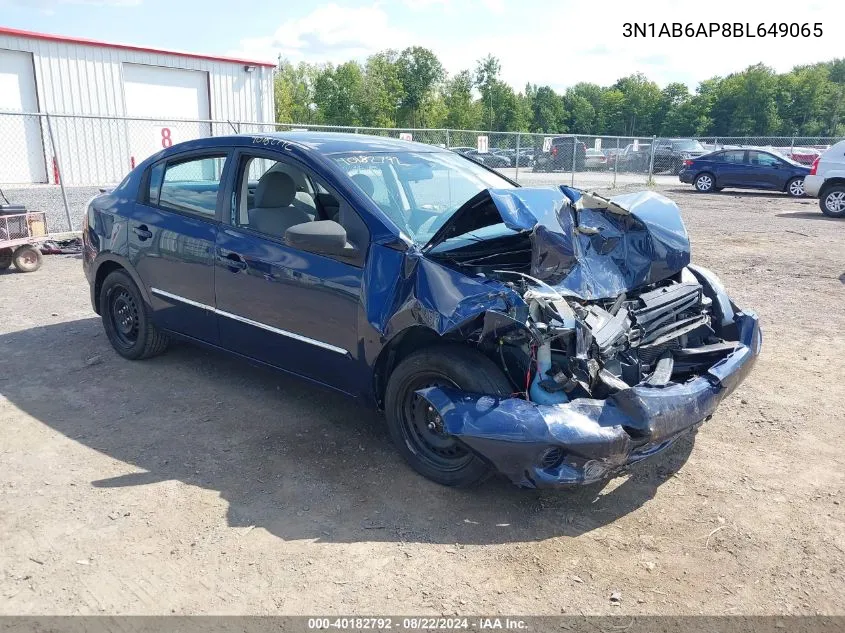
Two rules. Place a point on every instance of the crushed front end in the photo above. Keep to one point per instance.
(618, 347)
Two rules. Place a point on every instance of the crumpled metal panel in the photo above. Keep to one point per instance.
(593, 253)
(598, 437)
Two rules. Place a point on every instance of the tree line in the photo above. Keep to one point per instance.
(411, 89)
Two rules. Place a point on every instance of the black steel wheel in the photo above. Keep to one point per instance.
(123, 314)
(415, 426)
(126, 318)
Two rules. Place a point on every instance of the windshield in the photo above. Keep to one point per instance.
(418, 191)
(690, 145)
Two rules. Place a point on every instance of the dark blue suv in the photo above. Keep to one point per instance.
(744, 169)
(555, 336)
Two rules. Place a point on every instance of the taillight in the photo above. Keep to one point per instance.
(554, 150)
(815, 166)
(688, 163)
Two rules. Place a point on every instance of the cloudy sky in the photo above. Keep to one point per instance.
(554, 42)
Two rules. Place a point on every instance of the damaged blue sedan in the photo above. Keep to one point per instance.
(549, 334)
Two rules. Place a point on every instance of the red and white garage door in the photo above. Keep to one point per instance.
(22, 154)
(167, 94)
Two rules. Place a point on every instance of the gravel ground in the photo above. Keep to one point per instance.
(196, 483)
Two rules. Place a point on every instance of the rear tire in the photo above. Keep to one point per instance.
(27, 258)
(795, 187)
(127, 320)
(705, 182)
(832, 201)
(415, 427)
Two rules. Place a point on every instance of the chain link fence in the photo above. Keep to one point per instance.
(56, 162)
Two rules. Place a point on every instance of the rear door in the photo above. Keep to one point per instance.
(171, 237)
(280, 305)
(730, 168)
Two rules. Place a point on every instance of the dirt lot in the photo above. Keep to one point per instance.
(195, 483)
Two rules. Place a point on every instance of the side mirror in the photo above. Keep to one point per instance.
(326, 237)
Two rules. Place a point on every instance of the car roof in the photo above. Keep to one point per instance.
(321, 142)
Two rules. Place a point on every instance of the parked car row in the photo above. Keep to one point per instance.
(498, 157)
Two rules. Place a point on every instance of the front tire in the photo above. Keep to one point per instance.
(704, 183)
(417, 430)
(127, 320)
(832, 201)
(795, 187)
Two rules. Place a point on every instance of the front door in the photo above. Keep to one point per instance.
(283, 306)
(172, 232)
(767, 171)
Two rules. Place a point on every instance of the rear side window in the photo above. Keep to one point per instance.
(188, 186)
(733, 157)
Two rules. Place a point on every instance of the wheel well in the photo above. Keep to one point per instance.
(102, 272)
(789, 180)
(400, 347)
(832, 182)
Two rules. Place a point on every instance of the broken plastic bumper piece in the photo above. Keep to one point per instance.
(588, 440)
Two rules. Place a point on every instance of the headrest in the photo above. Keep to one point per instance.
(275, 189)
(365, 183)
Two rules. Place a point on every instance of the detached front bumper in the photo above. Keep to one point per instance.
(588, 440)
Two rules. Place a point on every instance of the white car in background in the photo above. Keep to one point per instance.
(826, 181)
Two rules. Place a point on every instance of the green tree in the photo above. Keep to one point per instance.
(486, 79)
(293, 88)
(462, 111)
(338, 93)
(641, 98)
(548, 114)
(419, 72)
(673, 111)
(382, 91)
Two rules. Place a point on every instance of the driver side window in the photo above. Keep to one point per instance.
(273, 196)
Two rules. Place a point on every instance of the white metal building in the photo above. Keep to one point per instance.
(62, 75)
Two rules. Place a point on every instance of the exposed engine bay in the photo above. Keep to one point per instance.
(571, 348)
(562, 343)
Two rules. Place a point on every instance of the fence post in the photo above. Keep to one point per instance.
(572, 179)
(616, 162)
(448, 144)
(792, 147)
(61, 178)
(650, 180)
(715, 142)
(516, 160)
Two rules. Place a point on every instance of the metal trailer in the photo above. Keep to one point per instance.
(20, 235)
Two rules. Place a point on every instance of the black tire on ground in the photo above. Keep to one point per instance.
(5, 258)
(795, 187)
(27, 258)
(416, 429)
(832, 201)
(126, 319)
(704, 182)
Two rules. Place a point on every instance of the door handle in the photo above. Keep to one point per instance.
(142, 232)
(232, 261)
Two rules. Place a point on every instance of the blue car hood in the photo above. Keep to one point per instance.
(583, 245)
